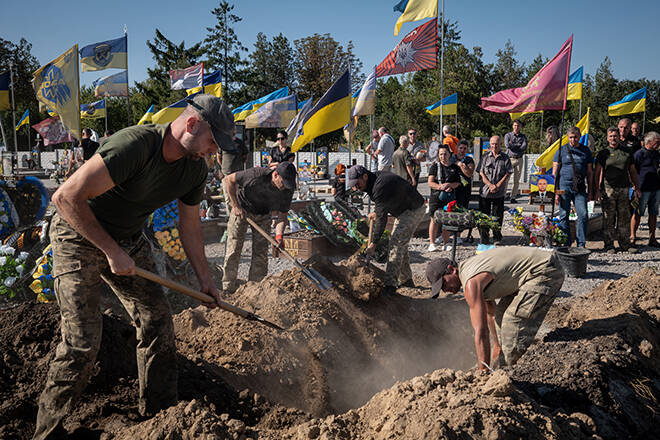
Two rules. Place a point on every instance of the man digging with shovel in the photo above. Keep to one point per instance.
(523, 281)
(96, 234)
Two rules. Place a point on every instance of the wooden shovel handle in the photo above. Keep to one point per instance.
(371, 232)
(203, 297)
(272, 241)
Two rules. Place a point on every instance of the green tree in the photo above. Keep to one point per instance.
(508, 72)
(223, 49)
(271, 66)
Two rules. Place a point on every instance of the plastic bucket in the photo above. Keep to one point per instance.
(573, 260)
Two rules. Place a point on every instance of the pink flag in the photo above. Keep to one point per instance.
(546, 91)
(53, 131)
(187, 78)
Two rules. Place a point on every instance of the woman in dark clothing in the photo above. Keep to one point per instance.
(339, 183)
(280, 152)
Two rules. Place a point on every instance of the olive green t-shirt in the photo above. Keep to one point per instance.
(511, 267)
(143, 180)
(616, 164)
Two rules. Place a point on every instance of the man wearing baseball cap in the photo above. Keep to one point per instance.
(97, 233)
(394, 196)
(255, 192)
(523, 280)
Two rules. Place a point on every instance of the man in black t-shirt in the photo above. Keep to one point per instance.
(255, 192)
(97, 236)
(88, 145)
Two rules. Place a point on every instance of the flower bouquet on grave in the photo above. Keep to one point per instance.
(11, 270)
(164, 222)
(538, 229)
(43, 282)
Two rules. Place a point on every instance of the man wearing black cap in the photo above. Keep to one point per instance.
(395, 196)
(96, 234)
(255, 192)
(524, 280)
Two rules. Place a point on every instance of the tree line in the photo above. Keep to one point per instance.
(311, 64)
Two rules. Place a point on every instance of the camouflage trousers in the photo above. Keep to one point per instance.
(398, 269)
(519, 316)
(616, 215)
(236, 230)
(77, 268)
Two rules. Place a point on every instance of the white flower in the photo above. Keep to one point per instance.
(9, 250)
(20, 269)
(3, 260)
(4, 218)
(22, 256)
(9, 281)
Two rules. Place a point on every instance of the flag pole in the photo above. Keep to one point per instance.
(13, 106)
(541, 134)
(580, 112)
(128, 89)
(442, 67)
(2, 130)
(644, 120)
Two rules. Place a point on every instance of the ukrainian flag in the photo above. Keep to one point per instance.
(575, 85)
(170, 113)
(330, 113)
(242, 112)
(545, 159)
(449, 106)
(113, 85)
(148, 116)
(364, 102)
(24, 120)
(212, 85)
(302, 104)
(517, 115)
(105, 55)
(93, 110)
(633, 103)
(414, 10)
(4, 91)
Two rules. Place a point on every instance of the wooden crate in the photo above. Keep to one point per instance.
(303, 248)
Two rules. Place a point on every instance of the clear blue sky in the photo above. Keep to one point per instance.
(625, 31)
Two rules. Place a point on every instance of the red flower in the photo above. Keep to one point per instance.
(451, 205)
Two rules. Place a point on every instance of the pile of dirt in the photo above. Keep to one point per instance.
(341, 346)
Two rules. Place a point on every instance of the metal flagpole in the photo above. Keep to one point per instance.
(456, 122)
(13, 106)
(580, 111)
(442, 67)
(128, 89)
(644, 119)
(2, 130)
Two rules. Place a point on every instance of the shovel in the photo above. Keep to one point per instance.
(203, 297)
(319, 280)
(367, 243)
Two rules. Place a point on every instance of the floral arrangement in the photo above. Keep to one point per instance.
(43, 282)
(164, 223)
(481, 220)
(537, 227)
(11, 269)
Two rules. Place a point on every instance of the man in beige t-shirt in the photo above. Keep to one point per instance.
(523, 281)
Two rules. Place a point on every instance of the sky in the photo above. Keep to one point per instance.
(532, 26)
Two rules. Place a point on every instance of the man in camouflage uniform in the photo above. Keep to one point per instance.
(394, 196)
(255, 192)
(615, 173)
(96, 235)
(524, 281)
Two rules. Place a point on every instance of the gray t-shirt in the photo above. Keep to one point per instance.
(495, 168)
(511, 267)
(386, 147)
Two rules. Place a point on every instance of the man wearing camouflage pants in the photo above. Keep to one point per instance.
(96, 234)
(524, 281)
(255, 192)
(395, 196)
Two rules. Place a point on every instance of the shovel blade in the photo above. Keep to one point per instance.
(319, 280)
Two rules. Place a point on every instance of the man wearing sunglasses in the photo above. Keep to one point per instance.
(97, 236)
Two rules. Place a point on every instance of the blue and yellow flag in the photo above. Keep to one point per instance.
(519, 114)
(365, 101)
(170, 113)
(545, 159)
(57, 86)
(147, 117)
(330, 113)
(242, 112)
(105, 55)
(4, 91)
(633, 103)
(112, 85)
(277, 113)
(302, 104)
(449, 106)
(414, 10)
(93, 110)
(24, 120)
(575, 85)
(212, 85)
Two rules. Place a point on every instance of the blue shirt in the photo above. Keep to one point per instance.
(582, 157)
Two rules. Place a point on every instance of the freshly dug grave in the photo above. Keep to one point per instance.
(341, 346)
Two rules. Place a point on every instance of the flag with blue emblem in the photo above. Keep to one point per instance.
(112, 85)
(93, 110)
(574, 92)
(105, 55)
(4, 91)
(25, 120)
(449, 106)
(242, 112)
(633, 103)
(147, 117)
(56, 86)
(212, 85)
(277, 113)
